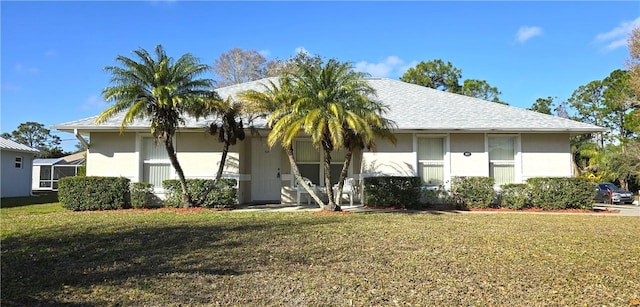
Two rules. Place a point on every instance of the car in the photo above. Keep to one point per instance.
(608, 192)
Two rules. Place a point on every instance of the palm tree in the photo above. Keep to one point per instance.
(276, 103)
(161, 90)
(369, 124)
(331, 109)
(229, 130)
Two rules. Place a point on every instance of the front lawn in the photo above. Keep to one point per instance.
(165, 257)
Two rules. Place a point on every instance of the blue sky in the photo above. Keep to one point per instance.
(53, 53)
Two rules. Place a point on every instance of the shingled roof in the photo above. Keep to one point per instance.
(411, 107)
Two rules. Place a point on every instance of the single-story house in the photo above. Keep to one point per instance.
(439, 135)
(15, 178)
(47, 172)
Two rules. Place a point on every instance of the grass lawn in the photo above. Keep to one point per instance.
(164, 257)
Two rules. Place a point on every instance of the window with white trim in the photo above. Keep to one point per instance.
(310, 162)
(502, 151)
(431, 160)
(156, 166)
(18, 162)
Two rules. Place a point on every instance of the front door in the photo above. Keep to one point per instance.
(265, 172)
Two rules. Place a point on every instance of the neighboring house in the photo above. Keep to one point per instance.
(15, 177)
(439, 135)
(47, 172)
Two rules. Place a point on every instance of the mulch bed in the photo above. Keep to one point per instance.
(532, 210)
(547, 211)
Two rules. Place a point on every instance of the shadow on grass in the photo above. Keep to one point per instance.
(38, 267)
(40, 198)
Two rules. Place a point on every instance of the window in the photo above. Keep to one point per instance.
(337, 160)
(45, 176)
(18, 162)
(310, 162)
(156, 165)
(431, 160)
(502, 159)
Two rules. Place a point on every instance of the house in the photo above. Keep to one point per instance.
(47, 172)
(15, 176)
(439, 135)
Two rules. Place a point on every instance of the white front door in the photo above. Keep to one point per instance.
(265, 171)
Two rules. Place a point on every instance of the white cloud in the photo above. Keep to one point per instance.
(617, 37)
(525, 33)
(265, 53)
(391, 66)
(92, 103)
(26, 69)
(301, 49)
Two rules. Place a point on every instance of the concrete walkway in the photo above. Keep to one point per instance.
(625, 210)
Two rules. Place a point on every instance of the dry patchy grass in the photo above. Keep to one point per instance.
(133, 257)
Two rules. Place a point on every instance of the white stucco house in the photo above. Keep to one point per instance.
(439, 135)
(15, 176)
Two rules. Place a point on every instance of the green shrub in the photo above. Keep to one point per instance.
(392, 191)
(437, 198)
(142, 195)
(472, 192)
(515, 196)
(93, 193)
(222, 194)
(561, 193)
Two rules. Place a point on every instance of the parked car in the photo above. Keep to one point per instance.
(610, 193)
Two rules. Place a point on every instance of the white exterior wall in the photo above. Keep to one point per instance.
(477, 164)
(398, 160)
(113, 154)
(546, 155)
(35, 177)
(199, 155)
(15, 182)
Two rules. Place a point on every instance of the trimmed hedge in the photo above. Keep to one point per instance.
(392, 191)
(141, 195)
(438, 198)
(472, 192)
(561, 193)
(515, 196)
(223, 194)
(93, 193)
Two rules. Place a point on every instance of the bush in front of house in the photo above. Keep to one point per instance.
(392, 191)
(93, 193)
(435, 198)
(515, 196)
(554, 193)
(141, 195)
(222, 194)
(472, 192)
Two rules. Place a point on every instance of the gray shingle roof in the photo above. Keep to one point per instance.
(411, 107)
(10, 145)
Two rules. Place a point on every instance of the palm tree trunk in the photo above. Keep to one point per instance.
(343, 175)
(186, 198)
(331, 206)
(298, 177)
(223, 160)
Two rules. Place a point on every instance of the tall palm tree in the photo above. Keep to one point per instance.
(276, 103)
(329, 109)
(161, 90)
